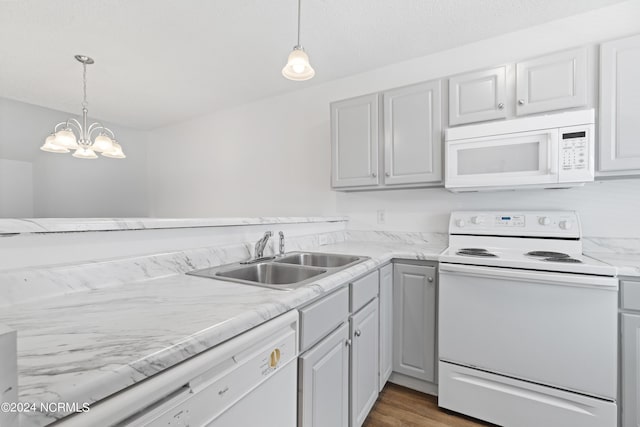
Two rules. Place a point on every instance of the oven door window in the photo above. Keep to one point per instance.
(516, 159)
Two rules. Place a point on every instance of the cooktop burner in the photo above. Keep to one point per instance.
(547, 254)
(566, 259)
(476, 252)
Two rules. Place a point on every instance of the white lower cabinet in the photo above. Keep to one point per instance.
(324, 382)
(386, 324)
(630, 357)
(414, 321)
(364, 362)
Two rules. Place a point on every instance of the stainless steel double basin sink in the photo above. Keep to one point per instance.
(285, 272)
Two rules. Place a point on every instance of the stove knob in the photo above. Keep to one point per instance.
(460, 223)
(545, 220)
(477, 220)
(566, 225)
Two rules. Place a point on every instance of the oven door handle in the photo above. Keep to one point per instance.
(500, 273)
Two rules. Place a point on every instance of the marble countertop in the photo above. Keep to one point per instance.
(61, 225)
(82, 347)
(627, 264)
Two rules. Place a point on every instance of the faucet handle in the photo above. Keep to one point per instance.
(281, 234)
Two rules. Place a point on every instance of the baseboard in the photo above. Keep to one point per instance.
(414, 383)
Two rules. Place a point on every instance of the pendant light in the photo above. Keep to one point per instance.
(63, 139)
(298, 67)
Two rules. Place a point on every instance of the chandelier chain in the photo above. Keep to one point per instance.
(84, 86)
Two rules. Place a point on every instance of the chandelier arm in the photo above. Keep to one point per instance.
(98, 126)
(65, 124)
(75, 124)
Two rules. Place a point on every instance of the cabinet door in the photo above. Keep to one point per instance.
(413, 134)
(478, 96)
(364, 362)
(324, 382)
(414, 321)
(354, 142)
(552, 82)
(386, 324)
(630, 370)
(620, 105)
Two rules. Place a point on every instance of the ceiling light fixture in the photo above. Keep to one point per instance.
(63, 139)
(298, 67)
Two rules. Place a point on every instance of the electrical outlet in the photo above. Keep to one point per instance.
(382, 216)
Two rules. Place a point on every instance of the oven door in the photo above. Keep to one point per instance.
(548, 328)
(516, 159)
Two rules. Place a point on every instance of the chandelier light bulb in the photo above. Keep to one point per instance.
(84, 153)
(102, 144)
(50, 147)
(65, 138)
(115, 152)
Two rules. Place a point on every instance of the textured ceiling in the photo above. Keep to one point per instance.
(164, 61)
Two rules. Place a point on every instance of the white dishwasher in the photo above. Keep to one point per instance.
(250, 380)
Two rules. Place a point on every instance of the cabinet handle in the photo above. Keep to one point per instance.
(430, 279)
(520, 101)
(387, 174)
(357, 333)
(374, 175)
(501, 106)
(347, 342)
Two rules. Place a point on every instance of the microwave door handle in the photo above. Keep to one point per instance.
(553, 152)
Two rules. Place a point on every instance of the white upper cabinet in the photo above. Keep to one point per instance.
(478, 96)
(552, 82)
(354, 142)
(620, 106)
(413, 134)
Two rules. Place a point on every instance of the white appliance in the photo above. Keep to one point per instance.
(250, 380)
(552, 151)
(527, 323)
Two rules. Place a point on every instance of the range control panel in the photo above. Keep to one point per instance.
(530, 223)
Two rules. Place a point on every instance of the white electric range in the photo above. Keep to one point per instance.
(527, 323)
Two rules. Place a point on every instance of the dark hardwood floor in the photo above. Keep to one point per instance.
(401, 407)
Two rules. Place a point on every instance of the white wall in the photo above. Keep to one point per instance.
(64, 186)
(272, 157)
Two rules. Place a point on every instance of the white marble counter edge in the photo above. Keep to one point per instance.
(120, 378)
(62, 225)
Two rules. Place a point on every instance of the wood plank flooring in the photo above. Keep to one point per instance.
(401, 407)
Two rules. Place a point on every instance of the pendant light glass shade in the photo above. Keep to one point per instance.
(51, 147)
(298, 67)
(84, 153)
(115, 152)
(65, 138)
(102, 144)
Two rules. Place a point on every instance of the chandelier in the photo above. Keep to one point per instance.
(90, 139)
(298, 67)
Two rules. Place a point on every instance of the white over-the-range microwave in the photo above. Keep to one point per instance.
(551, 151)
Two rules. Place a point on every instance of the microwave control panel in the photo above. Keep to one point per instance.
(576, 154)
(573, 149)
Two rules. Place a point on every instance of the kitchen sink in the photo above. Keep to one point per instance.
(285, 273)
(271, 273)
(318, 259)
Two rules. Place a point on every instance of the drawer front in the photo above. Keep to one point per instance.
(322, 317)
(364, 290)
(630, 295)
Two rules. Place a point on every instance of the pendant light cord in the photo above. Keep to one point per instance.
(298, 23)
